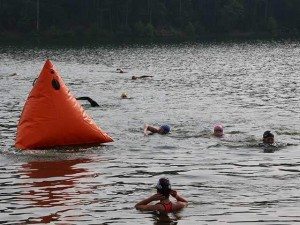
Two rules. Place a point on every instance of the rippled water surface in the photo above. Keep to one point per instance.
(249, 88)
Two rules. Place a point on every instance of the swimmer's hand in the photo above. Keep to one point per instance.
(179, 198)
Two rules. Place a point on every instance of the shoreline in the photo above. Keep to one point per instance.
(59, 41)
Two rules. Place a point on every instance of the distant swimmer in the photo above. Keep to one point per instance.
(164, 129)
(268, 137)
(218, 130)
(140, 77)
(163, 205)
(120, 71)
(125, 96)
(91, 101)
(269, 143)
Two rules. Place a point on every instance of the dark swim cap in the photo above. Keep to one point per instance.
(268, 134)
(165, 128)
(164, 187)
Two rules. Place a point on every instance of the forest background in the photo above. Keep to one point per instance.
(118, 21)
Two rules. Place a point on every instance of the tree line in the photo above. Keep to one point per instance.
(94, 20)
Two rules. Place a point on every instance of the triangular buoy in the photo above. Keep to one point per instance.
(53, 117)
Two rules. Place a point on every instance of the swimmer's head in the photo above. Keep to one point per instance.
(120, 70)
(124, 95)
(133, 77)
(163, 187)
(218, 130)
(268, 137)
(164, 129)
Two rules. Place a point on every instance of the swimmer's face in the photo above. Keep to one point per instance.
(268, 140)
(218, 133)
(133, 77)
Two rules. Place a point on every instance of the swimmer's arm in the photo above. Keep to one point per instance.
(182, 201)
(143, 205)
(179, 198)
(91, 101)
(145, 129)
(152, 129)
(148, 208)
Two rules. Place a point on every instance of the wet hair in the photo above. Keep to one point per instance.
(268, 134)
(164, 187)
(166, 128)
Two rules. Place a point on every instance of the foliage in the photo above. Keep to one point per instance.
(94, 20)
(190, 31)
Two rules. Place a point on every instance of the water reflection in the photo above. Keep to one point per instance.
(165, 219)
(51, 184)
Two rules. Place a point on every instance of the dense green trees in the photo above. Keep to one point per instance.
(94, 20)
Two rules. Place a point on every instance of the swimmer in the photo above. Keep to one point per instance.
(268, 137)
(124, 95)
(218, 130)
(140, 77)
(164, 129)
(163, 192)
(269, 145)
(120, 71)
(91, 101)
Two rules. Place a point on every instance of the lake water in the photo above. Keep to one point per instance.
(249, 88)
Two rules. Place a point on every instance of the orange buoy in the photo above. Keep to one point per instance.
(53, 117)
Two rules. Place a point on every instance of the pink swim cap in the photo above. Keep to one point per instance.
(218, 128)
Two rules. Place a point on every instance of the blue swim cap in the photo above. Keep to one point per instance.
(166, 128)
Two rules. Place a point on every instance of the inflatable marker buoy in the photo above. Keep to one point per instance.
(53, 117)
